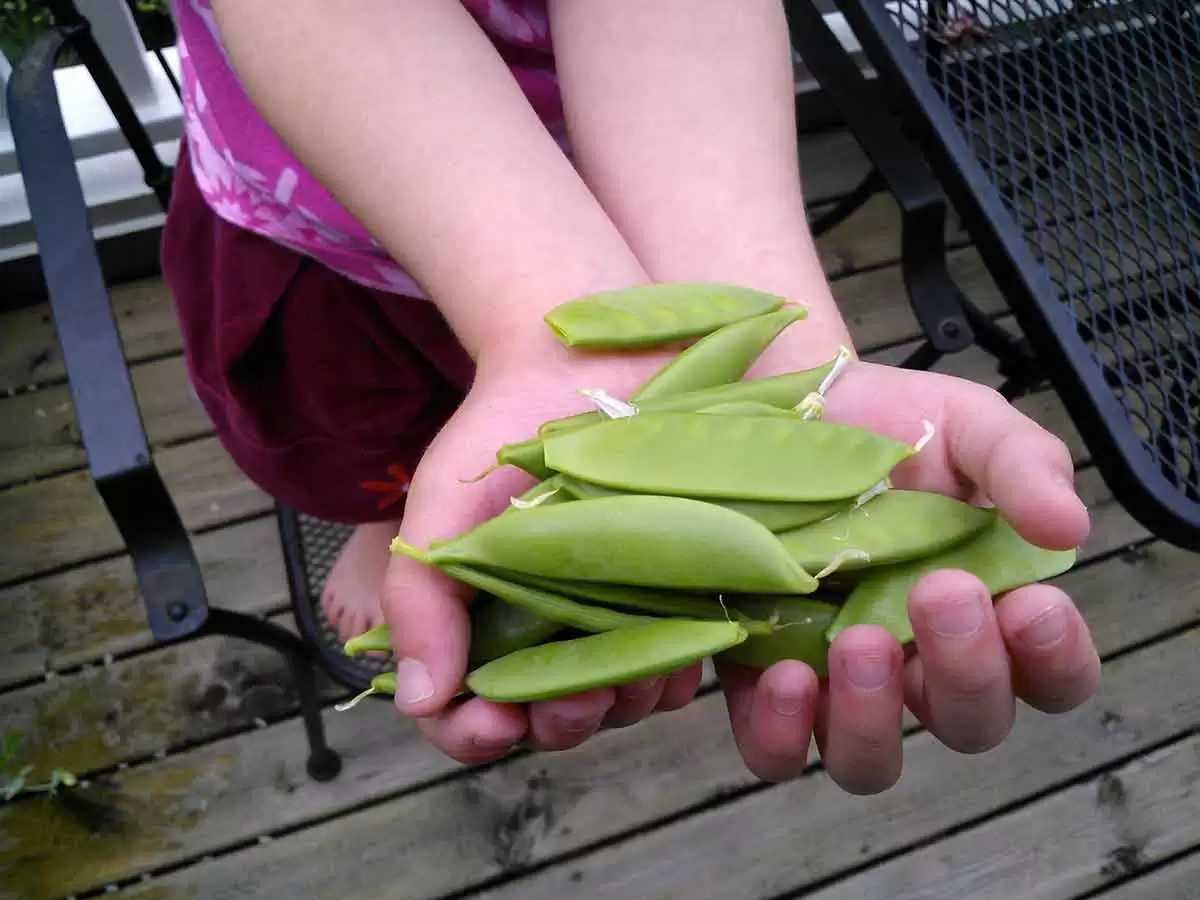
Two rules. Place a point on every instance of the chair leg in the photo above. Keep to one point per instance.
(324, 763)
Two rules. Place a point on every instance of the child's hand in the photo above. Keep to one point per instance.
(971, 658)
(961, 681)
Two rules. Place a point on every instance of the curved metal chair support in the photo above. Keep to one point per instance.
(113, 435)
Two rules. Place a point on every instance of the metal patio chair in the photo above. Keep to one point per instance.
(113, 435)
(1066, 134)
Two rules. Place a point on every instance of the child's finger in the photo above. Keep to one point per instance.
(959, 685)
(1024, 470)
(1055, 663)
(860, 731)
(427, 615)
(475, 731)
(425, 609)
(569, 721)
(771, 713)
(680, 688)
(633, 702)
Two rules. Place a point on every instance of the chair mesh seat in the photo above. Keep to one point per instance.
(1086, 117)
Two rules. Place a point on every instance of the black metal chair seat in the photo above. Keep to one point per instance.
(1066, 133)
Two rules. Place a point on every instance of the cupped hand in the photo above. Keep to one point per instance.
(972, 656)
(971, 659)
(427, 612)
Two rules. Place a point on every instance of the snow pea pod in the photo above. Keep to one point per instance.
(652, 314)
(547, 604)
(797, 631)
(374, 640)
(498, 628)
(643, 540)
(891, 527)
(997, 556)
(657, 602)
(748, 408)
(718, 358)
(562, 668)
(526, 455)
(776, 517)
(784, 391)
(744, 458)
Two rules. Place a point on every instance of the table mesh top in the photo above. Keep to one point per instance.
(1086, 115)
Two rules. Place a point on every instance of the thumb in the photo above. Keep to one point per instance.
(426, 610)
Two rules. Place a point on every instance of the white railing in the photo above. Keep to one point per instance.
(112, 181)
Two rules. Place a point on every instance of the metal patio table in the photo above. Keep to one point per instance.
(1066, 136)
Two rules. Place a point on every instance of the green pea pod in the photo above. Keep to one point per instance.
(546, 604)
(526, 455)
(748, 408)
(498, 628)
(649, 600)
(784, 391)
(744, 458)
(642, 540)
(563, 668)
(776, 517)
(653, 314)
(892, 527)
(997, 556)
(375, 640)
(719, 358)
(797, 631)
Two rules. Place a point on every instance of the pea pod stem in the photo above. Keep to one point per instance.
(384, 683)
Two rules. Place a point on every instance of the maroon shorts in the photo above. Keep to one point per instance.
(324, 392)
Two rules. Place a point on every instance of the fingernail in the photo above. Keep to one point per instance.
(787, 703)
(413, 681)
(1046, 629)
(958, 616)
(868, 672)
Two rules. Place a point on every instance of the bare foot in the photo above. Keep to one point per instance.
(355, 583)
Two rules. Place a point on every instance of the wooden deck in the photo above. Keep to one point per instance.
(193, 757)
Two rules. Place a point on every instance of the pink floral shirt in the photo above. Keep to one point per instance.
(251, 179)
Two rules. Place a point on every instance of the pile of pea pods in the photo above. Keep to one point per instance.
(708, 514)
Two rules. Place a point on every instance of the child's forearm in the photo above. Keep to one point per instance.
(411, 119)
(682, 118)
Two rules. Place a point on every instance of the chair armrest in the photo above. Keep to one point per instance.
(110, 423)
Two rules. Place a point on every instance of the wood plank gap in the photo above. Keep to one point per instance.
(705, 690)
(1149, 874)
(95, 559)
(815, 768)
(998, 812)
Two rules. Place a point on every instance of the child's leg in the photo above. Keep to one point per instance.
(324, 392)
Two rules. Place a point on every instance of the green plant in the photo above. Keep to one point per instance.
(13, 775)
(21, 23)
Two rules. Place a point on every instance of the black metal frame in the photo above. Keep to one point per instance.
(904, 120)
(113, 435)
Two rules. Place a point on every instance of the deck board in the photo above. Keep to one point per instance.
(1177, 880)
(188, 783)
(254, 783)
(526, 813)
